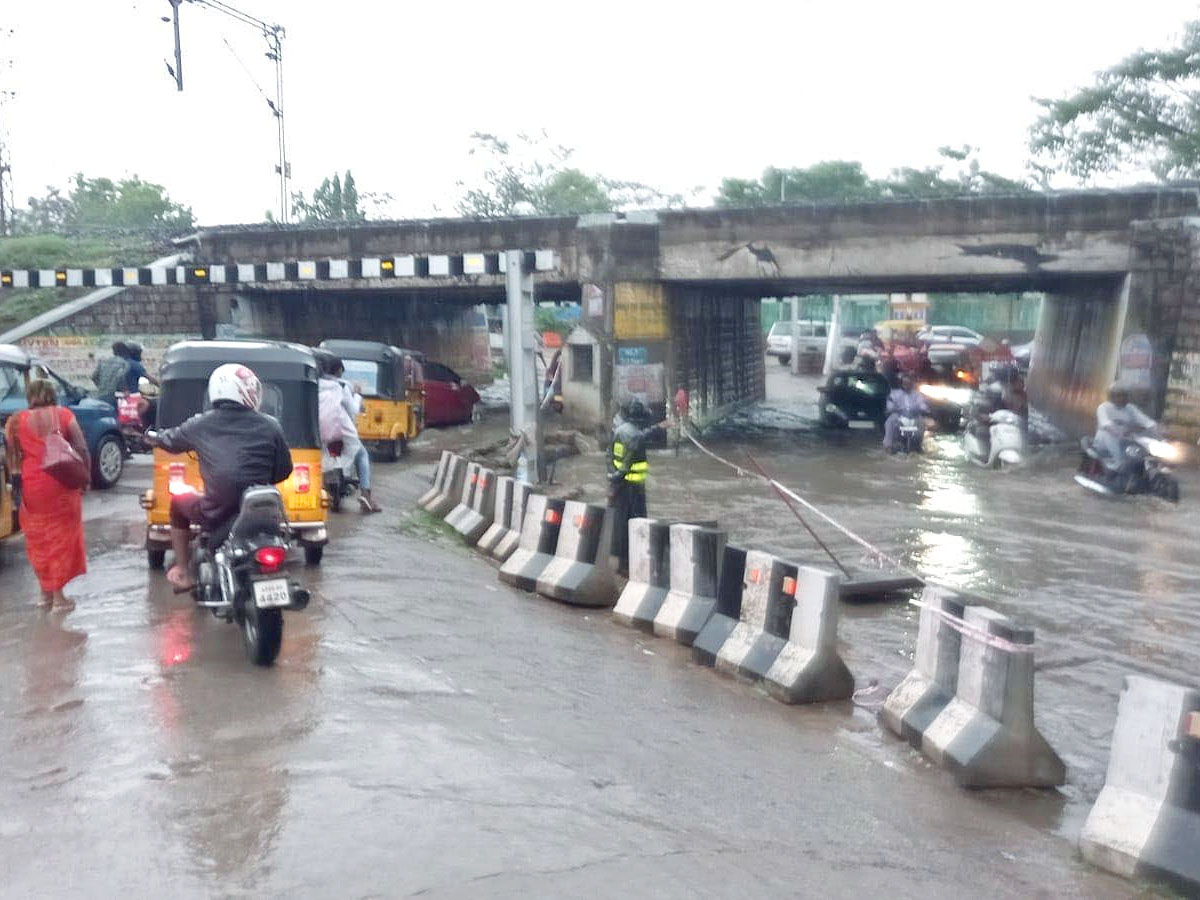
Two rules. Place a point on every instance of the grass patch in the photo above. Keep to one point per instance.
(422, 524)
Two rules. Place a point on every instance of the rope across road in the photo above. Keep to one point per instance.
(874, 552)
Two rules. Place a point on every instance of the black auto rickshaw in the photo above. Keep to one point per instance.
(288, 373)
(391, 381)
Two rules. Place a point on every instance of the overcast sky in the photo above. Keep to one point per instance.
(672, 94)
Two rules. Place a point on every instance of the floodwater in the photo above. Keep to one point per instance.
(1111, 587)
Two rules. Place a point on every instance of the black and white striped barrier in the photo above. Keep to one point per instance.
(929, 687)
(475, 521)
(725, 617)
(649, 573)
(1146, 821)
(768, 592)
(583, 571)
(539, 538)
(986, 735)
(502, 501)
(439, 478)
(466, 498)
(809, 668)
(695, 561)
(452, 486)
(394, 267)
(508, 543)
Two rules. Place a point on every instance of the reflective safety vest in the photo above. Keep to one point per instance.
(638, 469)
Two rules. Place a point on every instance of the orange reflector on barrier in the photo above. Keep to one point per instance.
(1191, 725)
(789, 585)
(474, 479)
(578, 520)
(553, 516)
(753, 576)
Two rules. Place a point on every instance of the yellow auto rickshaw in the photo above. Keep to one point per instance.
(288, 374)
(392, 385)
(8, 512)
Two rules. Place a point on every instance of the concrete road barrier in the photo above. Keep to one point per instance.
(768, 592)
(539, 537)
(475, 521)
(452, 487)
(1146, 821)
(729, 607)
(439, 478)
(649, 573)
(466, 498)
(583, 571)
(926, 690)
(508, 543)
(809, 668)
(986, 735)
(502, 501)
(695, 561)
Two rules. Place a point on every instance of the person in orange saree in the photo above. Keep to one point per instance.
(51, 514)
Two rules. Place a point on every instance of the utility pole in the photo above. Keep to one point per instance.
(7, 203)
(274, 35)
(522, 370)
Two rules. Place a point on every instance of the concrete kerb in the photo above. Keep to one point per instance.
(452, 486)
(502, 503)
(439, 478)
(926, 690)
(986, 735)
(475, 521)
(809, 668)
(729, 607)
(508, 543)
(649, 573)
(695, 562)
(765, 619)
(1146, 821)
(539, 538)
(583, 571)
(463, 507)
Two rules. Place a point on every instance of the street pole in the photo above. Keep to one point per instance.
(833, 348)
(795, 360)
(178, 46)
(522, 372)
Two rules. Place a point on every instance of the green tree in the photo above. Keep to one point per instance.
(334, 200)
(531, 176)
(92, 203)
(1143, 112)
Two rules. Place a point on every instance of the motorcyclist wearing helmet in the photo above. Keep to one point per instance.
(1117, 419)
(238, 447)
(628, 469)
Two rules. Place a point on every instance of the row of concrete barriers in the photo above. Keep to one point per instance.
(967, 703)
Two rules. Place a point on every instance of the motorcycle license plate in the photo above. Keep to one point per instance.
(268, 594)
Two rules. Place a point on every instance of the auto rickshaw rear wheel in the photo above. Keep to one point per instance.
(156, 558)
(312, 555)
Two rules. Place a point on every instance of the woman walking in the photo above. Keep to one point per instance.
(51, 511)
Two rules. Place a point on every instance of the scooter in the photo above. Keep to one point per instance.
(1144, 469)
(996, 443)
(240, 573)
(338, 474)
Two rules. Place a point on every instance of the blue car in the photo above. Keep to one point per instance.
(97, 419)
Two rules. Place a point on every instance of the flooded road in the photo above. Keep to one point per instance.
(429, 731)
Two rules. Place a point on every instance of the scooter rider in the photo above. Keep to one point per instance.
(903, 402)
(628, 469)
(238, 446)
(1117, 419)
(338, 406)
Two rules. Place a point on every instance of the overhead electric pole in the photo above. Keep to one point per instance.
(274, 35)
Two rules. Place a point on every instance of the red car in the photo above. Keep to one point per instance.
(448, 400)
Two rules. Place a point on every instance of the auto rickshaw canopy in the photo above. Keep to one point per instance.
(288, 373)
(396, 370)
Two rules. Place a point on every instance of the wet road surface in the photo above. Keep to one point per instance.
(429, 731)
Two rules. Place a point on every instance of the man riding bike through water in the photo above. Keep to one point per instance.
(238, 447)
(1117, 420)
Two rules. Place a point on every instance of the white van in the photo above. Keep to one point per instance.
(813, 337)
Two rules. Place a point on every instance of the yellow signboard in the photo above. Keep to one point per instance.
(639, 310)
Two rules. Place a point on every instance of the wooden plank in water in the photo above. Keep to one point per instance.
(875, 585)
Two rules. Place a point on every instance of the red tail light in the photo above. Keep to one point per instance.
(269, 559)
(175, 472)
(303, 479)
(553, 517)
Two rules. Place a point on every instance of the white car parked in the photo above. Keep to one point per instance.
(950, 334)
(813, 337)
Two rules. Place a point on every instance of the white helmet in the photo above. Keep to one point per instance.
(235, 382)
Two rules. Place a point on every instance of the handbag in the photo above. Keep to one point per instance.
(61, 461)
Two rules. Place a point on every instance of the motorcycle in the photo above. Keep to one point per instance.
(338, 474)
(1144, 469)
(132, 416)
(996, 441)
